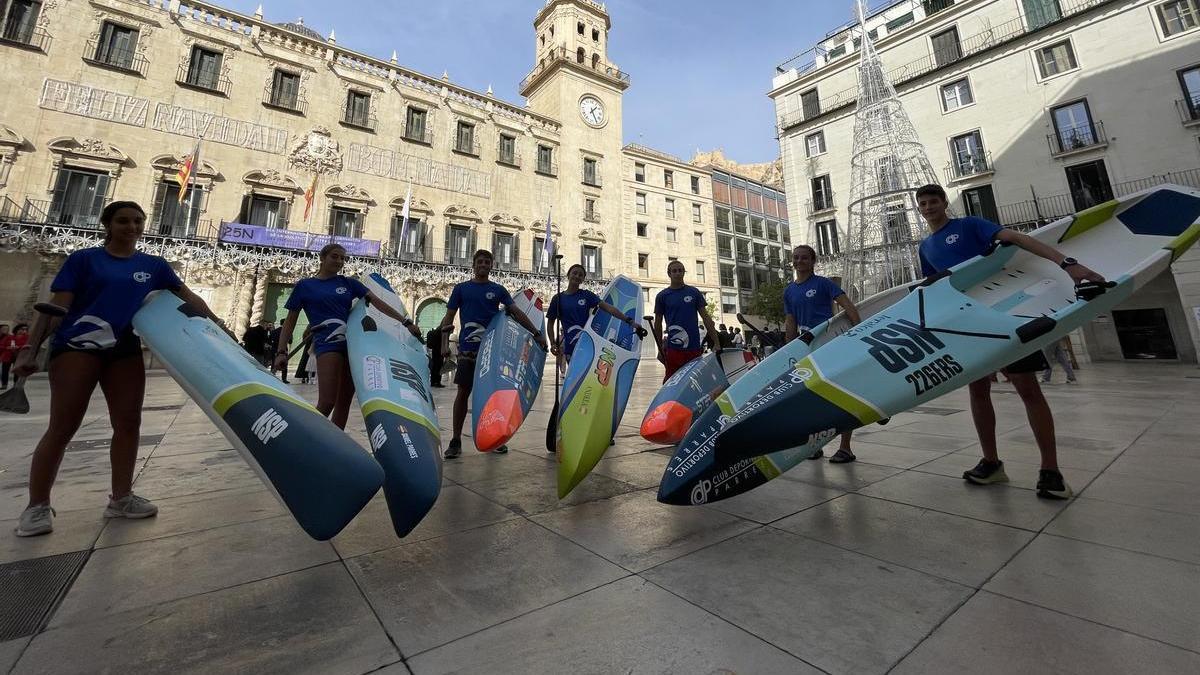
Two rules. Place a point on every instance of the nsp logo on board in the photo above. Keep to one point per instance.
(901, 343)
(378, 437)
(604, 367)
(268, 426)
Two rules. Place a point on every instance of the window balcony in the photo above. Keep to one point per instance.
(592, 180)
(468, 147)
(1071, 140)
(219, 85)
(547, 169)
(1189, 110)
(295, 103)
(36, 39)
(417, 134)
(970, 166)
(821, 205)
(508, 158)
(592, 217)
(357, 119)
(123, 60)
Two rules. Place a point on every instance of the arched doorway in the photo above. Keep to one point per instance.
(430, 313)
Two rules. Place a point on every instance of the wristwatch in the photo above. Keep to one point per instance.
(1068, 262)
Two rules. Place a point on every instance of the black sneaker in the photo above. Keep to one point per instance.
(817, 454)
(842, 456)
(986, 472)
(1051, 485)
(502, 450)
(453, 449)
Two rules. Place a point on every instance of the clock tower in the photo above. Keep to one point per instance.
(574, 82)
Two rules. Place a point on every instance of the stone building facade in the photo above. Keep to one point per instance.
(1032, 110)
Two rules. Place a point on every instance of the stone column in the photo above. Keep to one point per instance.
(241, 317)
(260, 297)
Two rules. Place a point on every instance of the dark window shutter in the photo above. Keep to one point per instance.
(244, 212)
(471, 242)
(285, 209)
(516, 256)
(160, 195)
(449, 249)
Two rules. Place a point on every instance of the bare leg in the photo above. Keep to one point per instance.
(73, 378)
(345, 395)
(985, 417)
(124, 385)
(845, 445)
(1041, 420)
(328, 381)
(460, 410)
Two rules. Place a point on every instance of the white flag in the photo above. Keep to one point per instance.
(404, 218)
(548, 245)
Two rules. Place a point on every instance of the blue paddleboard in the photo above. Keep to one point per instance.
(321, 475)
(508, 374)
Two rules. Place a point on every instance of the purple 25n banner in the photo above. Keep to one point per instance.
(257, 235)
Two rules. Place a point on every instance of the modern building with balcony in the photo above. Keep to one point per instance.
(1032, 110)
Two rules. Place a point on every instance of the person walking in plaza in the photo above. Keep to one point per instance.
(437, 356)
(571, 308)
(807, 303)
(326, 300)
(724, 337)
(955, 240)
(683, 307)
(478, 298)
(272, 348)
(89, 319)
(739, 340)
(254, 341)
(1059, 351)
(10, 345)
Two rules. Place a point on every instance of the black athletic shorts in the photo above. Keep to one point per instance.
(1034, 363)
(464, 370)
(127, 345)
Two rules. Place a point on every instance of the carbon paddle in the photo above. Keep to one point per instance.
(552, 425)
(14, 400)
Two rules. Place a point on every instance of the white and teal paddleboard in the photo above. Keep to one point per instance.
(322, 476)
(597, 385)
(391, 378)
(948, 331)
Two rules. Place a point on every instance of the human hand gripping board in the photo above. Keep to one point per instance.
(508, 374)
(390, 369)
(597, 385)
(322, 476)
(950, 330)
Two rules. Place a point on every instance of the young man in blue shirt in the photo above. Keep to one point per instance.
(683, 307)
(479, 299)
(955, 240)
(807, 303)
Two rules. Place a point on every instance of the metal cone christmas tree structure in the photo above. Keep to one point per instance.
(887, 166)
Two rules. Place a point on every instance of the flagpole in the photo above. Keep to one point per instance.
(191, 187)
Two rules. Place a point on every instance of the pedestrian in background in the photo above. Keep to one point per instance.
(1059, 351)
(10, 344)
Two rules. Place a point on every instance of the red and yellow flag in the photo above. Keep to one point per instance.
(310, 195)
(185, 172)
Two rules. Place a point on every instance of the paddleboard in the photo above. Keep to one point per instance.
(690, 391)
(321, 475)
(597, 384)
(950, 330)
(391, 378)
(508, 374)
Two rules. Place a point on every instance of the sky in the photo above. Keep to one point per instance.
(701, 70)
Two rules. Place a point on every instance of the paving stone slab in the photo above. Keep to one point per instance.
(1150, 596)
(774, 500)
(642, 469)
(10, 651)
(844, 477)
(313, 621)
(955, 548)
(536, 492)
(194, 473)
(474, 466)
(629, 626)
(636, 532)
(993, 634)
(194, 513)
(995, 503)
(432, 592)
(837, 610)
(160, 570)
(1161, 533)
(73, 531)
(1163, 495)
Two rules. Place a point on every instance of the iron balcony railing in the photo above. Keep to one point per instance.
(1189, 109)
(969, 165)
(394, 248)
(293, 103)
(507, 157)
(417, 134)
(357, 117)
(1080, 137)
(35, 38)
(547, 168)
(125, 60)
(467, 147)
(1032, 213)
(560, 54)
(194, 79)
(968, 47)
(592, 179)
(820, 204)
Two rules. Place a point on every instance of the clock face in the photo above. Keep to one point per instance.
(592, 111)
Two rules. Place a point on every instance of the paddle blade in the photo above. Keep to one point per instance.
(499, 420)
(552, 427)
(14, 400)
(667, 424)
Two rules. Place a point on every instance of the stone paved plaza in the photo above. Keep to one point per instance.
(892, 563)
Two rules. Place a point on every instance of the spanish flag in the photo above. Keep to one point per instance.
(185, 172)
(309, 196)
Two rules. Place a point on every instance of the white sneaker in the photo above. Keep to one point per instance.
(130, 506)
(35, 520)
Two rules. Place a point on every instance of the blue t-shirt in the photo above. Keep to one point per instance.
(681, 307)
(573, 310)
(476, 303)
(326, 303)
(108, 291)
(960, 239)
(810, 303)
